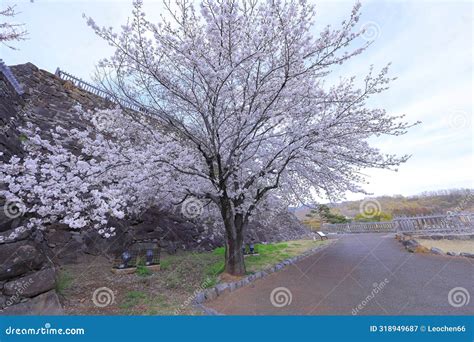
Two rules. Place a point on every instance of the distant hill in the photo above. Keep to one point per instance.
(425, 203)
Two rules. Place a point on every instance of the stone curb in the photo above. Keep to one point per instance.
(438, 251)
(223, 288)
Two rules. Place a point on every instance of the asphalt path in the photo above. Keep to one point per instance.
(360, 274)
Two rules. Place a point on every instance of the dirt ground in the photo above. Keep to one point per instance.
(166, 292)
(91, 288)
(458, 246)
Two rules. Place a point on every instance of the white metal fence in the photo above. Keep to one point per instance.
(78, 82)
(452, 222)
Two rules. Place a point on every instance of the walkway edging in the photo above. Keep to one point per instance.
(223, 288)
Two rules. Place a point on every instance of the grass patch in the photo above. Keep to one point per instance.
(210, 282)
(143, 271)
(186, 271)
(165, 264)
(138, 302)
(272, 254)
(215, 269)
(63, 282)
(269, 254)
(133, 299)
(166, 292)
(219, 251)
(162, 299)
(173, 281)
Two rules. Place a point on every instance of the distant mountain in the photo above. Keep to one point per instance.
(432, 202)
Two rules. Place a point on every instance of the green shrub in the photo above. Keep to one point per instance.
(143, 271)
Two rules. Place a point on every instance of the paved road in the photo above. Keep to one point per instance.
(341, 277)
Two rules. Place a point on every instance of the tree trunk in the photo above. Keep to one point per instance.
(234, 235)
(234, 257)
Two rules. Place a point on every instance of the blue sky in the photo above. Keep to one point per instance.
(430, 45)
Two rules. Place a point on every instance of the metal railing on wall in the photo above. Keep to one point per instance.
(7, 73)
(80, 83)
(429, 223)
(360, 227)
(440, 222)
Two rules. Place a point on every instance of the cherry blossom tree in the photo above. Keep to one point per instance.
(242, 82)
(10, 31)
(234, 111)
(112, 168)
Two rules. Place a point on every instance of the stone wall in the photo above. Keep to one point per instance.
(28, 262)
(27, 275)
